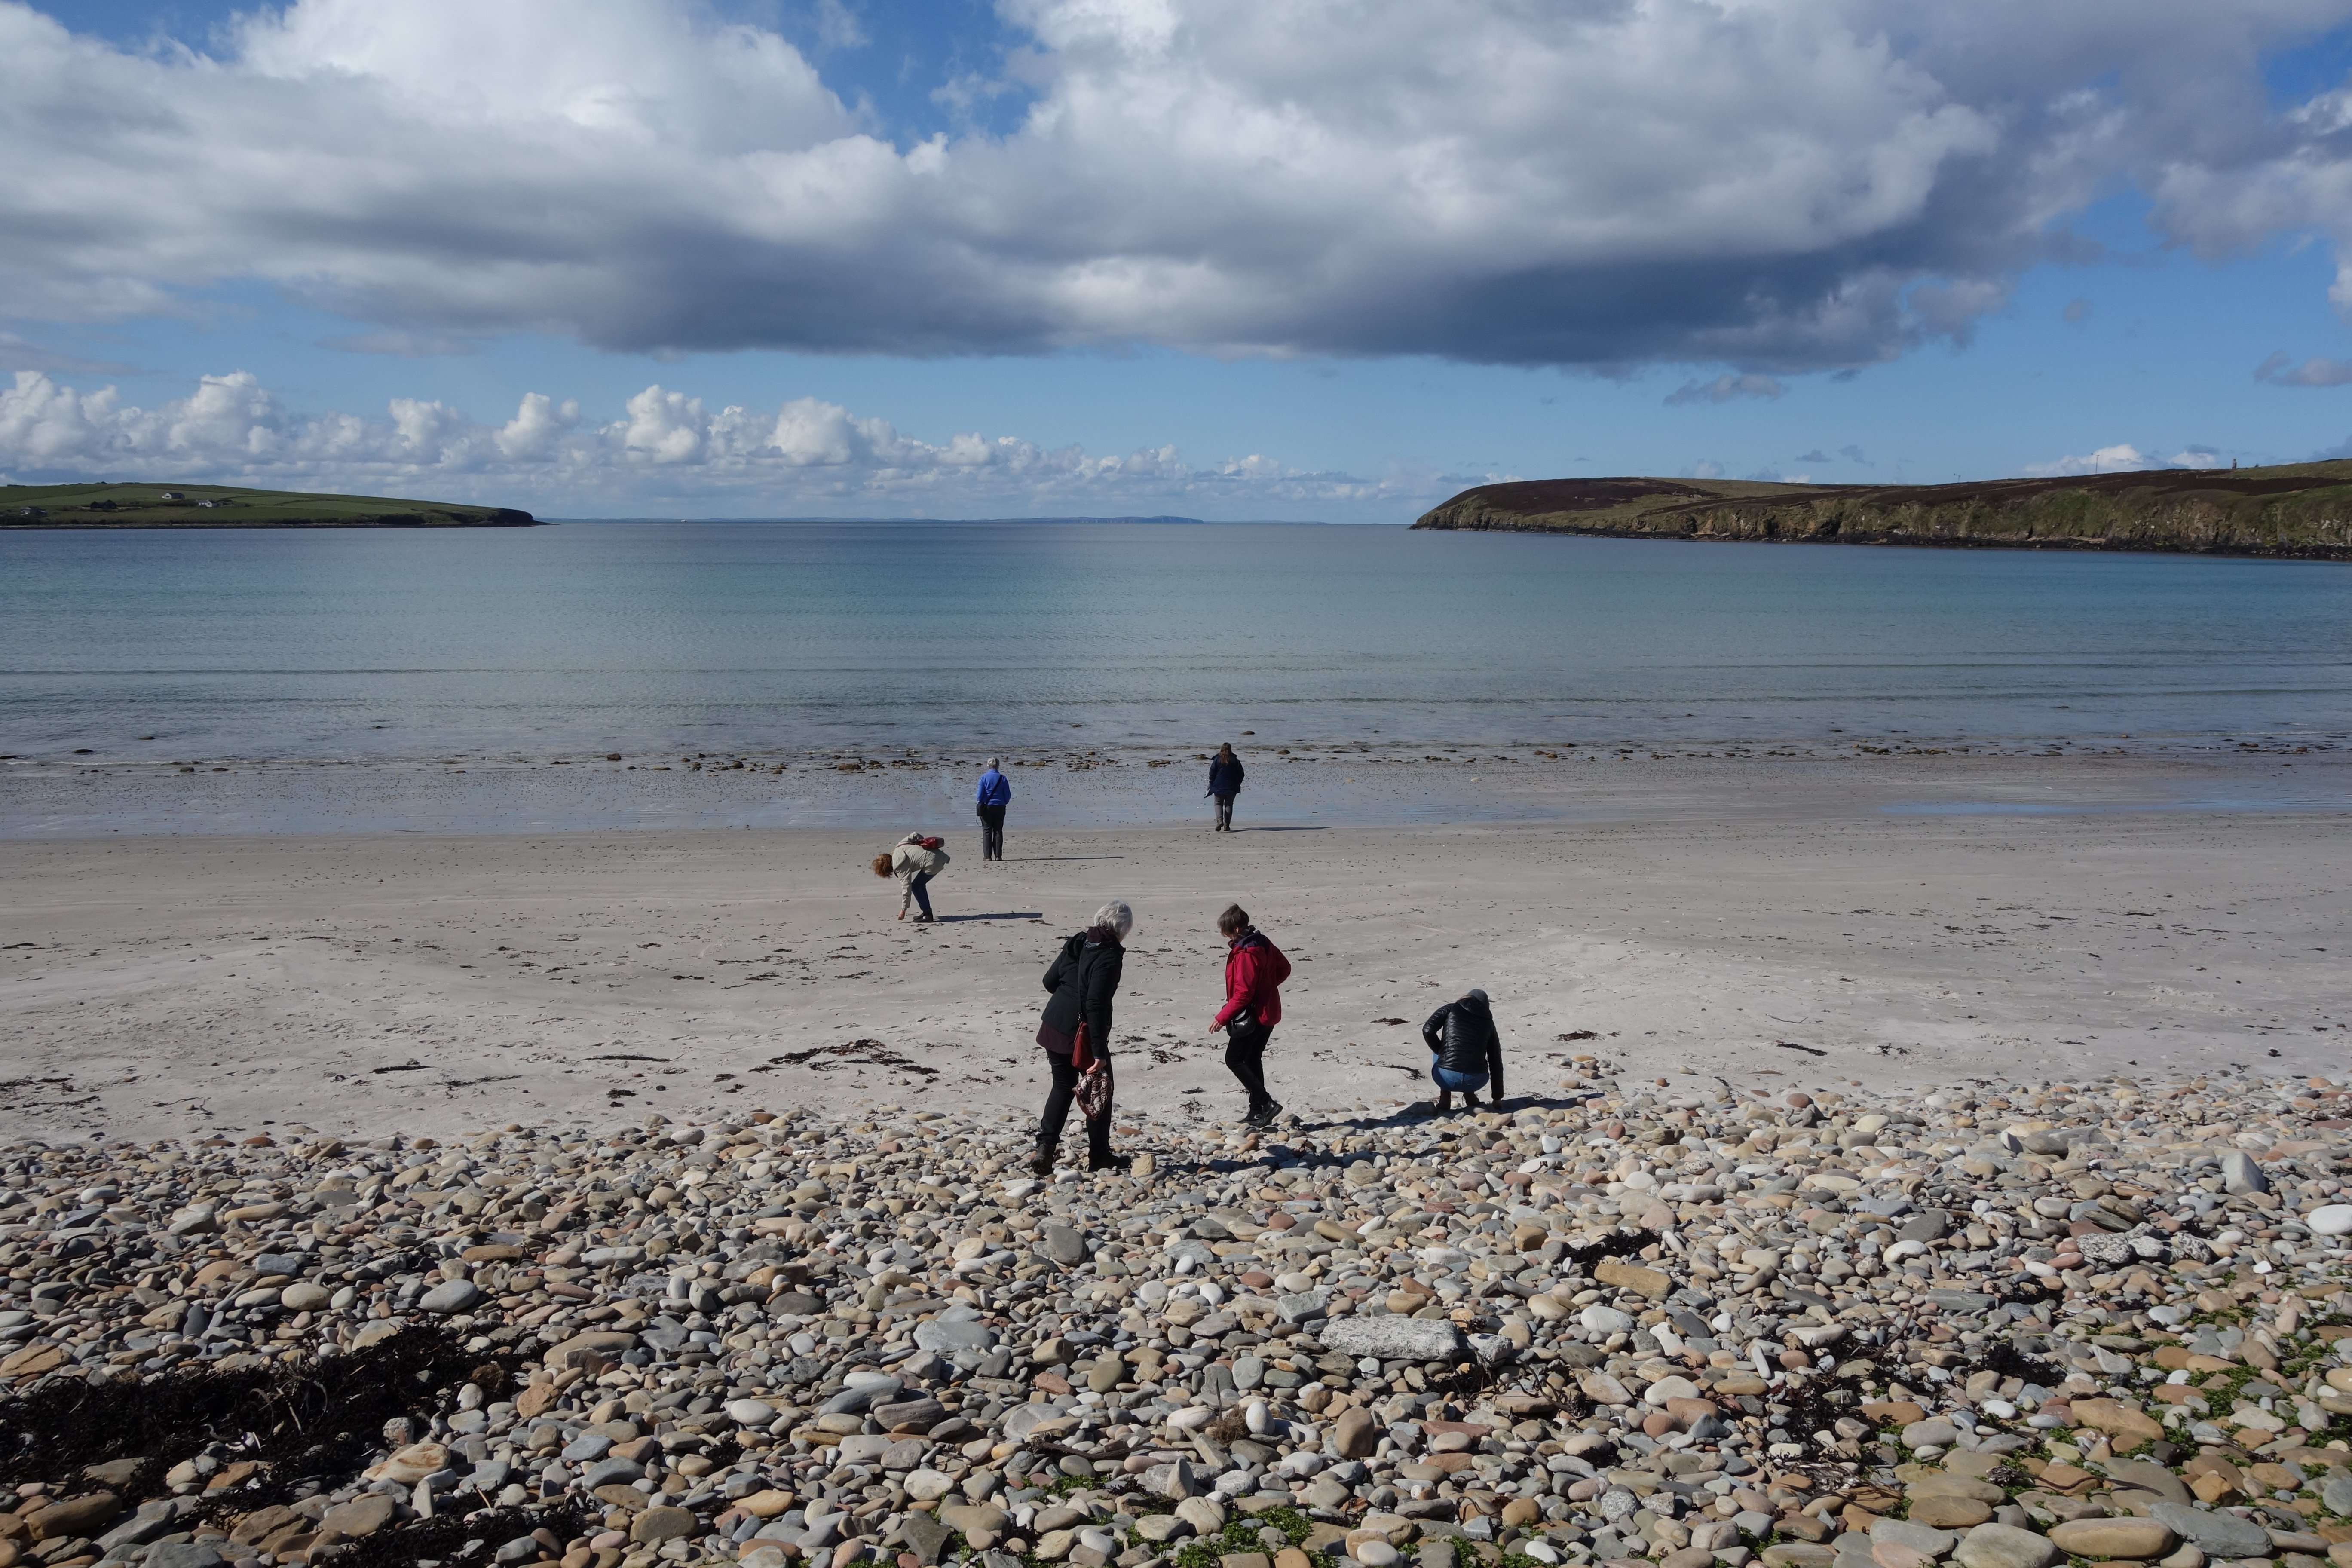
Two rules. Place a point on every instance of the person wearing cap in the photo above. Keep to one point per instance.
(995, 793)
(1075, 1032)
(1466, 1052)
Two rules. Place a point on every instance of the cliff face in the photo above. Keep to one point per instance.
(2301, 510)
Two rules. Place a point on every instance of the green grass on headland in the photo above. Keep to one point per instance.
(2302, 509)
(231, 506)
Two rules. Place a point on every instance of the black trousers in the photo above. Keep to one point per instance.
(992, 832)
(1246, 1057)
(1224, 810)
(1057, 1110)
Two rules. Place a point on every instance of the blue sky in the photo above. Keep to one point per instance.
(1049, 294)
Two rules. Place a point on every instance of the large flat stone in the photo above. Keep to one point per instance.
(2141, 1539)
(2217, 1535)
(1391, 1338)
(2004, 1546)
(945, 1337)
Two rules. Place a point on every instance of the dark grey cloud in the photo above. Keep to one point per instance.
(1818, 184)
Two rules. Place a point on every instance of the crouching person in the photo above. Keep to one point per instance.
(1465, 1053)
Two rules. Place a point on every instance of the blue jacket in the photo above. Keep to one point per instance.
(995, 789)
(1225, 778)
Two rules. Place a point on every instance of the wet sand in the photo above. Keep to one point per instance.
(1796, 923)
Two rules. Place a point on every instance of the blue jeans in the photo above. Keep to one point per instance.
(1456, 1082)
(921, 887)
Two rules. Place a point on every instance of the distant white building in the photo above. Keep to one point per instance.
(173, 495)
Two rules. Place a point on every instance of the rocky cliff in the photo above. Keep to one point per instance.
(2302, 510)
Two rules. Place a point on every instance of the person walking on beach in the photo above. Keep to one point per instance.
(1075, 1034)
(1254, 971)
(995, 793)
(1224, 782)
(1465, 1052)
(914, 860)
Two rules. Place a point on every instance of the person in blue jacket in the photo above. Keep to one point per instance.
(1224, 782)
(995, 793)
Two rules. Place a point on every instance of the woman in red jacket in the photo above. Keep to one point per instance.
(1254, 971)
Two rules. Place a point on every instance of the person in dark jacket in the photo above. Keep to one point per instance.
(994, 794)
(1224, 782)
(1465, 1053)
(1083, 978)
(1254, 971)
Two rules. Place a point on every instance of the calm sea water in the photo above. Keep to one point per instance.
(634, 636)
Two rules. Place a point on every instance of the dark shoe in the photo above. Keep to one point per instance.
(1263, 1115)
(1111, 1162)
(1041, 1163)
(925, 919)
(1446, 1103)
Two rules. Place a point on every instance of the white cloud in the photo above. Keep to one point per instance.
(1776, 186)
(2197, 458)
(663, 451)
(2121, 457)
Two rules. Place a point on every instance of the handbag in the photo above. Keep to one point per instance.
(1094, 1077)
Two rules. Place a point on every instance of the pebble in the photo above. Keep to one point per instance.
(1674, 1321)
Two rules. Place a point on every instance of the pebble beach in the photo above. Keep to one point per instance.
(1666, 1320)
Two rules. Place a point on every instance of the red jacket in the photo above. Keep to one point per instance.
(1254, 968)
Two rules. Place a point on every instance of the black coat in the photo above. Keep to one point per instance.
(1083, 980)
(1463, 1037)
(1225, 778)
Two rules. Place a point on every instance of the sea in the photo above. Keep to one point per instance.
(695, 637)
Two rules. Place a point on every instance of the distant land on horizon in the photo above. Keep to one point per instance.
(2299, 510)
(1198, 522)
(123, 505)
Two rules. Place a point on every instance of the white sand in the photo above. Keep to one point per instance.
(152, 986)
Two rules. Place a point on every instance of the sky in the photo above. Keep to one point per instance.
(1323, 259)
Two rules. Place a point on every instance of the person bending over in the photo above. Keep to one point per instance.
(1465, 1053)
(1254, 971)
(914, 860)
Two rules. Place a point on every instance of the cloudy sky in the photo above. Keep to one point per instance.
(1312, 259)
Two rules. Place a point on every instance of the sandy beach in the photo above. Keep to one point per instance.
(1785, 923)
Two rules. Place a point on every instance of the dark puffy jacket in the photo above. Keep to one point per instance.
(1225, 778)
(1462, 1037)
(1084, 977)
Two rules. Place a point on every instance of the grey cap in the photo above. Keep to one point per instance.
(1478, 996)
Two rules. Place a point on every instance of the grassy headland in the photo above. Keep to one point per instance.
(231, 506)
(2295, 509)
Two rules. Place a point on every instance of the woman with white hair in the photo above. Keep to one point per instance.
(1075, 1032)
(995, 793)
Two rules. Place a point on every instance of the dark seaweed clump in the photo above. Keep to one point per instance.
(473, 1538)
(309, 1420)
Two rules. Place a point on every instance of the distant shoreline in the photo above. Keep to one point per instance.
(2300, 511)
(109, 506)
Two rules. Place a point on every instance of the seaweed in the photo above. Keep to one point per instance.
(2002, 1356)
(312, 1419)
(466, 1537)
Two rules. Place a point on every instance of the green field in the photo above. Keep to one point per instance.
(231, 506)
(2300, 509)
